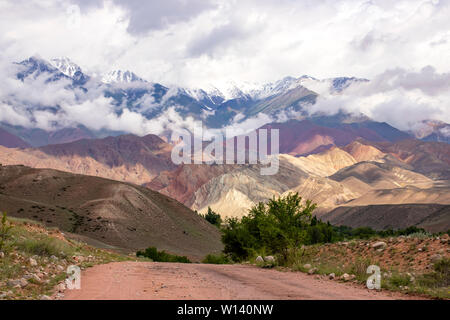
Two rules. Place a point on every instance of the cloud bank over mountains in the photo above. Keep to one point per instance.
(400, 46)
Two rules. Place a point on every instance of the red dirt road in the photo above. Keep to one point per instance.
(151, 280)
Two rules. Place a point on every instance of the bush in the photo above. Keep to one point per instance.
(213, 218)
(44, 247)
(440, 277)
(5, 228)
(400, 280)
(161, 256)
(217, 259)
(275, 227)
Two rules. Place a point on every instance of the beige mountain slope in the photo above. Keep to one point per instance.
(380, 176)
(330, 179)
(233, 193)
(127, 158)
(440, 195)
(429, 158)
(361, 152)
(326, 193)
(323, 164)
(182, 183)
(431, 217)
(76, 164)
(106, 212)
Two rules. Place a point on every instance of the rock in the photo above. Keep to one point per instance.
(59, 268)
(44, 297)
(259, 259)
(78, 258)
(331, 276)
(307, 266)
(352, 277)
(379, 245)
(380, 250)
(269, 259)
(3, 295)
(61, 287)
(20, 283)
(33, 262)
(2, 255)
(35, 277)
(28, 276)
(312, 270)
(435, 258)
(54, 258)
(345, 277)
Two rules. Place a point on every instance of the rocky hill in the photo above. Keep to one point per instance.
(111, 213)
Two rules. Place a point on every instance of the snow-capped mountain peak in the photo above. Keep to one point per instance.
(119, 76)
(66, 66)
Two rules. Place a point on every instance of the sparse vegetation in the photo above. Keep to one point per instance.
(37, 258)
(5, 229)
(161, 256)
(217, 259)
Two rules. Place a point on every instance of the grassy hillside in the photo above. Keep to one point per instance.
(34, 260)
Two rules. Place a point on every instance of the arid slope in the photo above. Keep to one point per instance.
(118, 214)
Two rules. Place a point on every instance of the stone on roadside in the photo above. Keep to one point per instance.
(19, 283)
(269, 259)
(331, 276)
(379, 245)
(33, 262)
(307, 266)
(345, 277)
(61, 287)
(259, 259)
(312, 270)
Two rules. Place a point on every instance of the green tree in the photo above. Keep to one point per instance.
(213, 218)
(277, 226)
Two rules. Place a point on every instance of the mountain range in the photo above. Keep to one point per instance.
(230, 105)
(347, 163)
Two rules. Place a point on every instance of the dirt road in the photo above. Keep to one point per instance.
(150, 280)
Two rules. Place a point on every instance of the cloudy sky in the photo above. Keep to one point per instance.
(192, 42)
(403, 46)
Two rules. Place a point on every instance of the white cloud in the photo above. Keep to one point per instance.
(196, 43)
(399, 97)
(193, 43)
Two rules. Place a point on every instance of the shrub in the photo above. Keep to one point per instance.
(440, 277)
(217, 259)
(5, 228)
(213, 218)
(399, 280)
(419, 235)
(161, 256)
(275, 226)
(44, 247)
